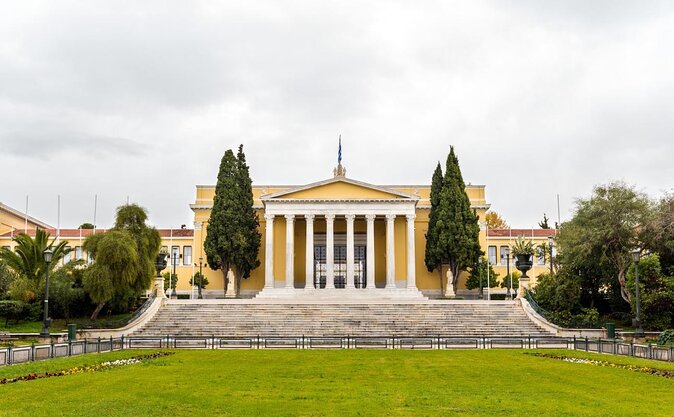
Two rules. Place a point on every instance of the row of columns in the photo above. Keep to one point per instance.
(330, 251)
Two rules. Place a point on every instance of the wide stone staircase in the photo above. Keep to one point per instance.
(465, 319)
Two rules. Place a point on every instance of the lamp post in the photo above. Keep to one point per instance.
(638, 330)
(47, 254)
(174, 278)
(550, 246)
(201, 277)
(509, 294)
(480, 295)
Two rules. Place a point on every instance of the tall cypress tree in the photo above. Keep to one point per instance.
(457, 228)
(233, 238)
(249, 233)
(221, 243)
(433, 258)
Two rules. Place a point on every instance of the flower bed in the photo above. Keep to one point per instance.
(666, 373)
(90, 368)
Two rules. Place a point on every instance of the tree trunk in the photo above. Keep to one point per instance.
(455, 275)
(225, 280)
(97, 310)
(239, 277)
(623, 289)
(442, 287)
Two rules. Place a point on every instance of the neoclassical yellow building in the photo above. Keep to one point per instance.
(342, 236)
(338, 237)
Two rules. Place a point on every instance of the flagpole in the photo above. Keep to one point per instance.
(25, 224)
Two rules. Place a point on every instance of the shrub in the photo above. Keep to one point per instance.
(666, 337)
(14, 310)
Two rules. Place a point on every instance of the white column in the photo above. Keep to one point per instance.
(390, 252)
(330, 251)
(369, 261)
(309, 284)
(290, 251)
(411, 255)
(350, 251)
(269, 251)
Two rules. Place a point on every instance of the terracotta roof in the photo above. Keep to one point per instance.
(66, 233)
(521, 232)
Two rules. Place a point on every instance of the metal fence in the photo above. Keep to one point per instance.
(622, 348)
(23, 354)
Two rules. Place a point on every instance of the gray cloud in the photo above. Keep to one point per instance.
(564, 94)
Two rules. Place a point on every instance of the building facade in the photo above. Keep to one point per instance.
(329, 238)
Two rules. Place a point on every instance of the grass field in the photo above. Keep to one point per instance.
(341, 383)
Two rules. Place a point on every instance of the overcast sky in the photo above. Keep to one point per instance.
(141, 99)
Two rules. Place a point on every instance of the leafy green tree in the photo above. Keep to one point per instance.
(505, 282)
(7, 276)
(199, 279)
(543, 224)
(27, 259)
(433, 258)
(123, 258)
(599, 239)
(558, 292)
(67, 297)
(458, 231)
(660, 233)
(233, 238)
(170, 279)
(657, 293)
(86, 226)
(482, 270)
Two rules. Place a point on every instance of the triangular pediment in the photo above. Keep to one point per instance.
(340, 188)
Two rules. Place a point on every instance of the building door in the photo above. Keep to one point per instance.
(320, 266)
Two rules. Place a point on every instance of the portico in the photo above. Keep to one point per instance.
(340, 264)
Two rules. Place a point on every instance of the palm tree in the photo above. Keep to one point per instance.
(28, 257)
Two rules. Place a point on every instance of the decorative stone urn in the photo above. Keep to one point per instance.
(160, 264)
(523, 263)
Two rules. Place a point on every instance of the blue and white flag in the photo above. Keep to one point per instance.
(339, 152)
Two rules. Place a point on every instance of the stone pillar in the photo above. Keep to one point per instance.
(390, 252)
(309, 282)
(350, 256)
(524, 284)
(330, 251)
(411, 255)
(269, 251)
(369, 260)
(290, 251)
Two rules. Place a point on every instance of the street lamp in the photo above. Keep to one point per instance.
(174, 277)
(550, 246)
(509, 294)
(638, 330)
(480, 295)
(201, 277)
(47, 254)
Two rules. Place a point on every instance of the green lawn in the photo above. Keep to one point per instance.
(341, 383)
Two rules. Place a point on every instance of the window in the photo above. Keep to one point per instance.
(67, 257)
(78, 253)
(540, 260)
(492, 255)
(175, 255)
(187, 255)
(505, 250)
